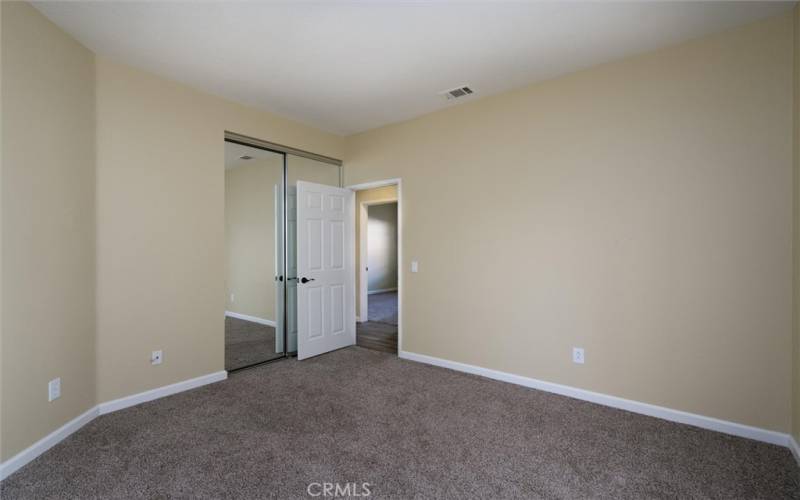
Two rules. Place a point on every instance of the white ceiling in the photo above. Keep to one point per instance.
(347, 67)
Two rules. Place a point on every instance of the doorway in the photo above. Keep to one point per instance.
(379, 249)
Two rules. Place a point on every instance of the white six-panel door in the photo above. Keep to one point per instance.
(291, 268)
(326, 318)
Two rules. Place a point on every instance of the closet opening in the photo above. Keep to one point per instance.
(261, 246)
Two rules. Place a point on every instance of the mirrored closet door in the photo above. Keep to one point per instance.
(255, 248)
(261, 246)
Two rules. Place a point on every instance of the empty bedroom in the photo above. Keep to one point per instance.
(428, 249)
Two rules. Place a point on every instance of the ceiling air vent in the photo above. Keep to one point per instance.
(457, 92)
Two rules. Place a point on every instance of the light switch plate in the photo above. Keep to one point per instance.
(414, 266)
(54, 389)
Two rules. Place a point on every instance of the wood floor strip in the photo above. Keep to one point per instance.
(377, 336)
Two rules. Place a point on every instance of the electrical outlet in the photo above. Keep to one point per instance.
(577, 355)
(232, 299)
(156, 358)
(54, 389)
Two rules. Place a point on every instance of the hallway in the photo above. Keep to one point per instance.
(380, 332)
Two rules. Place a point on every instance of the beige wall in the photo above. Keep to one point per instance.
(249, 222)
(385, 193)
(112, 182)
(250, 236)
(48, 230)
(2, 452)
(382, 247)
(641, 210)
(796, 210)
(160, 226)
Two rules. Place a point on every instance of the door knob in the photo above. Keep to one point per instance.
(305, 280)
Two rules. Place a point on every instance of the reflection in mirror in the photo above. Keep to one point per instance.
(254, 256)
(300, 169)
(306, 169)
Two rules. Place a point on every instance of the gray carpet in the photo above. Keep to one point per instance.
(248, 343)
(410, 430)
(383, 307)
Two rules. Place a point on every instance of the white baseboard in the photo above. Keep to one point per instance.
(793, 446)
(679, 416)
(20, 459)
(160, 392)
(253, 319)
(17, 461)
(372, 292)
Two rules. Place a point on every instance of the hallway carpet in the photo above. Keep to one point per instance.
(383, 307)
(407, 429)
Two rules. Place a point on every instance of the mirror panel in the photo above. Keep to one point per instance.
(254, 236)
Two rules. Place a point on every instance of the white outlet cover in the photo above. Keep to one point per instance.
(54, 389)
(578, 356)
(156, 358)
(232, 298)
